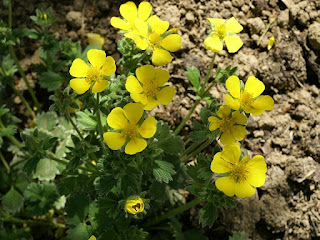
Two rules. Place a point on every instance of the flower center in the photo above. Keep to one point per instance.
(154, 40)
(220, 31)
(130, 130)
(93, 74)
(149, 91)
(245, 98)
(226, 125)
(239, 172)
(136, 207)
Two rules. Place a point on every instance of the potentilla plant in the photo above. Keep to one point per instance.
(98, 165)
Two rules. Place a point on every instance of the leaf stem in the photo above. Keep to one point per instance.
(100, 130)
(190, 148)
(206, 143)
(3, 160)
(174, 212)
(208, 74)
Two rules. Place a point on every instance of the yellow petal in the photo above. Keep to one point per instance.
(213, 43)
(227, 138)
(148, 127)
(144, 10)
(133, 85)
(114, 140)
(128, 11)
(256, 179)
(145, 74)
(215, 123)
(244, 189)
(161, 57)
(80, 85)
(171, 43)
(151, 104)
(116, 118)
(161, 77)
(270, 43)
(140, 43)
(133, 112)
(218, 165)
(216, 21)
(257, 163)
(263, 103)
(233, 43)
(96, 57)
(157, 25)
(232, 25)
(254, 86)
(95, 38)
(224, 111)
(78, 68)
(99, 86)
(231, 153)
(165, 95)
(119, 23)
(239, 118)
(92, 237)
(226, 185)
(233, 86)
(109, 66)
(239, 132)
(135, 145)
(142, 27)
(142, 98)
(232, 103)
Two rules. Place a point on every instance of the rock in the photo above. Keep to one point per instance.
(256, 25)
(190, 17)
(283, 18)
(237, 3)
(303, 18)
(314, 35)
(72, 35)
(74, 19)
(78, 5)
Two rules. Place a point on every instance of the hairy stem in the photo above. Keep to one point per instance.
(3, 160)
(100, 130)
(190, 148)
(197, 151)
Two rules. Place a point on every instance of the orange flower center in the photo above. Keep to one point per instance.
(245, 99)
(93, 74)
(130, 130)
(220, 31)
(154, 40)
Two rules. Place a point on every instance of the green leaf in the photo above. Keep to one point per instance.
(198, 136)
(8, 131)
(79, 232)
(86, 120)
(194, 234)
(50, 80)
(31, 165)
(193, 75)
(47, 120)
(60, 203)
(12, 201)
(167, 141)
(77, 208)
(163, 171)
(239, 236)
(105, 184)
(208, 214)
(46, 170)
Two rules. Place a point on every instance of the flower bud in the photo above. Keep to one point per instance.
(134, 206)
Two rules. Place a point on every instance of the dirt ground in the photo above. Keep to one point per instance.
(288, 205)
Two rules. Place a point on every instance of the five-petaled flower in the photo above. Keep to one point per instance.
(247, 99)
(130, 13)
(126, 120)
(239, 176)
(92, 75)
(134, 206)
(230, 125)
(153, 37)
(149, 89)
(224, 30)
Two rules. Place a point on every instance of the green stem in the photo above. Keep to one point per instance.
(11, 138)
(197, 151)
(208, 74)
(100, 130)
(187, 142)
(190, 148)
(3, 160)
(16, 61)
(181, 125)
(265, 31)
(174, 212)
(7, 218)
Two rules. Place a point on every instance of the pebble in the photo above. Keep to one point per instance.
(190, 17)
(314, 35)
(74, 19)
(256, 25)
(283, 18)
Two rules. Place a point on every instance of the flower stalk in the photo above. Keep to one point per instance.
(100, 129)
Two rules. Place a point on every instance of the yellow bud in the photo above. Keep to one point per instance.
(174, 30)
(92, 237)
(35, 108)
(270, 43)
(32, 124)
(95, 38)
(134, 206)
(94, 162)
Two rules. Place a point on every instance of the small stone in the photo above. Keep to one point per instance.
(283, 18)
(74, 19)
(190, 17)
(314, 35)
(256, 25)
(303, 18)
(72, 35)
(237, 3)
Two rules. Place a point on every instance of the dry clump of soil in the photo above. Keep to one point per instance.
(288, 205)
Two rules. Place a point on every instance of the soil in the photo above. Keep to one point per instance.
(288, 205)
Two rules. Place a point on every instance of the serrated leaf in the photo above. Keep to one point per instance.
(198, 136)
(193, 75)
(105, 184)
(79, 232)
(86, 120)
(46, 120)
(163, 171)
(208, 214)
(46, 170)
(31, 165)
(8, 131)
(77, 208)
(50, 80)
(12, 201)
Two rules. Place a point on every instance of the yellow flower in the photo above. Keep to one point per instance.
(126, 120)
(92, 237)
(229, 125)
(247, 99)
(153, 37)
(239, 176)
(134, 206)
(224, 30)
(92, 75)
(149, 89)
(270, 43)
(95, 38)
(130, 13)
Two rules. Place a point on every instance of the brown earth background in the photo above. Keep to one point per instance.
(288, 205)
